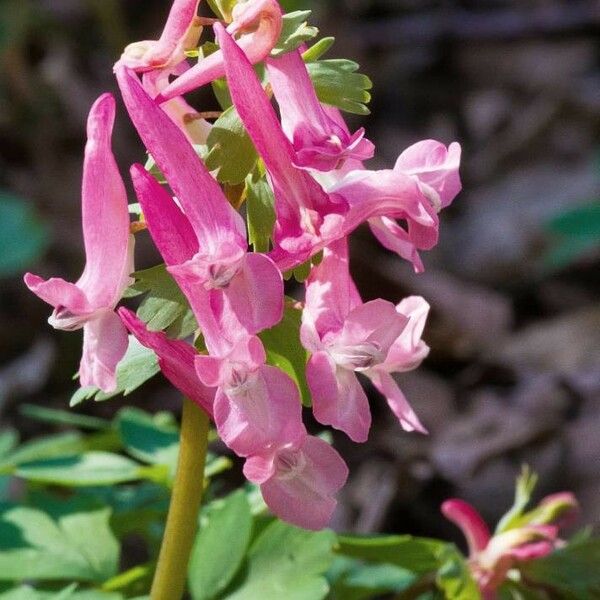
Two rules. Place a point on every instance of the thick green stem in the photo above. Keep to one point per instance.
(180, 530)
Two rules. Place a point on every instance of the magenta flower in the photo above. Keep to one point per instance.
(492, 556)
(347, 337)
(220, 260)
(259, 25)
(89, 303)
(310, 217)
(318, 140)
(175, 358)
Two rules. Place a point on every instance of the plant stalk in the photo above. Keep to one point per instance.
(182, 520)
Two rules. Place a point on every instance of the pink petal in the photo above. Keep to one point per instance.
(214, 220)
(396, 400)
(319, 141)
(376, 322)
(58, 293)
(176, 241)
(186, 117)
(302, 490)
(258, 21)
(409, 350)
(301, 204)
(474, 529)
(338, 398)
(435, 166)
(181, 32)
(330, 295)
(169, 227)
(176, 360)
(104, 345)
(258, 468)
(393, 237)
(266, 413)
(105, 213)
(255, 294)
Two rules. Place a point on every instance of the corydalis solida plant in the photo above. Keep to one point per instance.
(313, 168)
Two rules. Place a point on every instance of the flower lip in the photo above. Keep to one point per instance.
(358, 357)
(63, 318)
(289, 462)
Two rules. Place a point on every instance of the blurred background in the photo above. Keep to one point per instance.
(514, 372)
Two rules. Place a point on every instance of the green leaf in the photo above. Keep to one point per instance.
(62, 444)
(24, 236)
(355, 580)
(9, 438)
(454, 577)
(78, 546)
(137, 366)
(337, 83)
(582, 221)
(419, 555)
(230, 149)
(63, 417)
(222, 8)
(284, 350)
(294, 32)
(573, 571)
(147, 438)
(165, 303)
(318, 49)
(287, 562)
(260, 210)
(90, 468)
(26, 592)
(222, 540)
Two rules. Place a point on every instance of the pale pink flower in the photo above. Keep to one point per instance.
(89, 303)
(299, 481)
(346, 337)
(258, 23)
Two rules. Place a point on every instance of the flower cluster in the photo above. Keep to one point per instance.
(322, 191)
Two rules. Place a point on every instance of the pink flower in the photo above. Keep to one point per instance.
(298, 481)
(318, 140)
(492, 556)
(176, 360)
(259, 25)
(257, 407)
(347, 337)
(181, 32)
(220, 261)
(310, 217)
(89, 303)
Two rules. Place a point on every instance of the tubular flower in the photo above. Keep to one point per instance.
(258, 23)
(310, 217)
(347, 337)
(257, 407)
(491, 557)
(298, 481)
(90, 302)
(181, 32)
(319, 141)
(220, 261)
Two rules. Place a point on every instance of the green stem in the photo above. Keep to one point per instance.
(182, 520)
